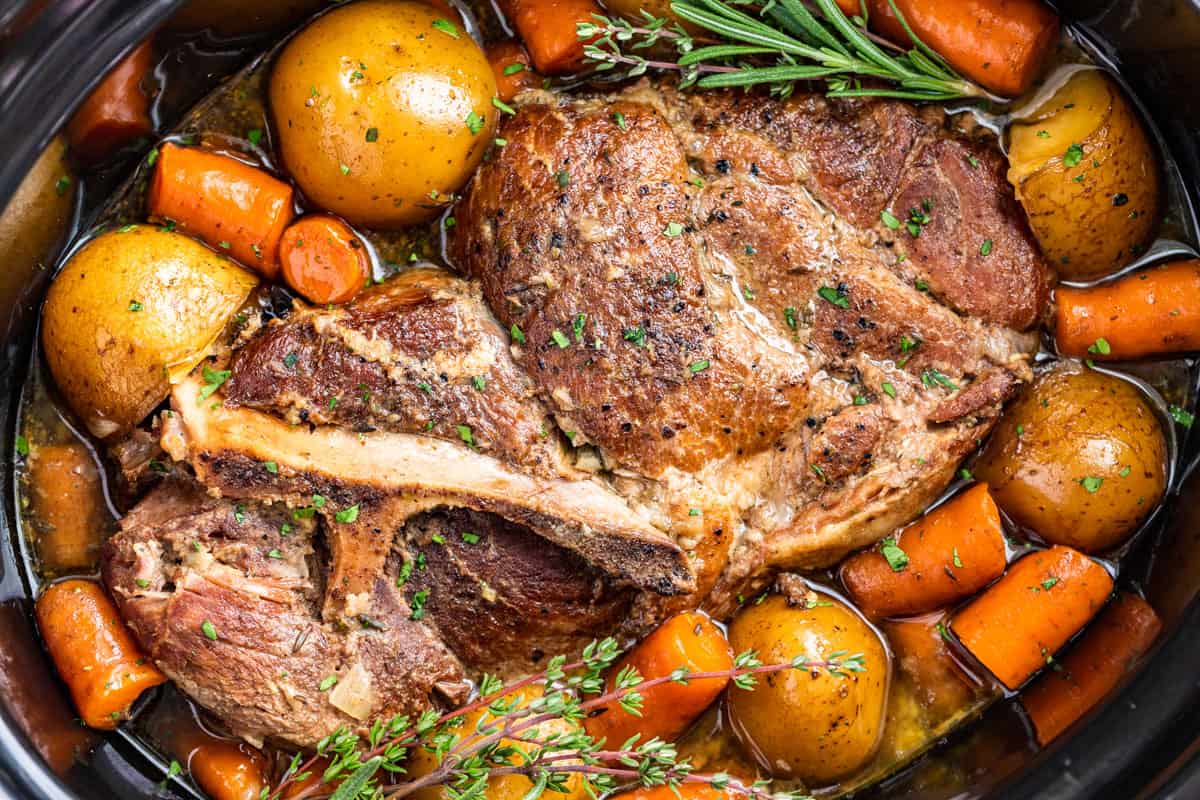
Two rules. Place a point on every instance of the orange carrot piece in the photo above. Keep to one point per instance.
(117, 111)
(1148, 313)
(1043, 600)
(94, 652)
(999, 44)
(1108, 649)
(239, 209)
(224, 769)
(687, 791)
(69, 501)
(548, 29)
(953, 552)
(689, 640)
(514, 73)
(323, 259)
(922, 652)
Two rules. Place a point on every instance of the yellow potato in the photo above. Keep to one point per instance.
(500, 787)
(1088, 176)
(809, 724)
(1080, 458)
(383, 110)
(132, 311)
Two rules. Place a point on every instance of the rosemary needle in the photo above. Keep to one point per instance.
(801, 45)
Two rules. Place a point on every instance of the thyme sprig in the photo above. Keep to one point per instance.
(373, 767)
(777, 44)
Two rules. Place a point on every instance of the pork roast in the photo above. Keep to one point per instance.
(699, 337)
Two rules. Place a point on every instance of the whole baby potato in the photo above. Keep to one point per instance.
(808, 723)
(1088, 176)
(383, 110)
(1079, 458)
(132, 311)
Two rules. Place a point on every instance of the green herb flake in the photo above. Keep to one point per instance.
(1100, 347)
(562, 178)
(327, 683)
(985, 249)
(789, 316)
(274, 553)
(619, 120)
(209, 630)
(699, 366)
(888, 389)
(560, 339)
(470, 538)
(1182, 416)
(479, 382)
(62, 185)
(1050, 583)
(1091, 483)
(465, 433)
(889, 219)
(447, 27)
(516, 333)
(347, 515)
(956, 560)
(213, 379)
(636, 335)
(896, 558)
(513, 69)
(503, 106)
(372, 135)
(418, 604)
(22, 445)
(1073, 156)
(673, 229)
(835, 296)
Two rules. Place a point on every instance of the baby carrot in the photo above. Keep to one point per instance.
(1016, 626)
(94, 652)
(689, 640)
(922, 653)
(685, 791)
(999, 44)
(117, 111)
(514, 74)
(1108, 650)
(548, 29)
(224, 769)
(1148, 313)
(69, 501)
(237, 208)
(323, 259)
(951, 553)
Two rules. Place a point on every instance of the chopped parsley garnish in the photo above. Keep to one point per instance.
(209, 630)
(327, 683)
(274, 553)
(62, 185)
(212, 381)
(1124, 473)
(957, 560)
(446, 27)
(673, 229)
(562, 178)
(985, 249)
(254, 136)
(372, 134)
(931, 377)
(474, 123)
(1091, 483)
(577, 326)
(22, 446)
(345, 168)
(517, 334)
(503, 106)
(1049, 583)
(1182, 416)
(479, 382)
(470, 538)
(405, 573)
(699, 366)
(135, 306)
(465, 433)
(835, 296)
(789, 316)
(896, 558)
(619, 119)
(889, 219)
(513, 69)
(888, 389)
(347, 514)
(290, 360)
(693, 512)
(560, 339)
(418, 604)
(636, 335)
(1073, 155)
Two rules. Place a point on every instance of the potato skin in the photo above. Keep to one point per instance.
(1077, 424)
(1092, 218)
(132, 310)
(370, 103)
(817, 729)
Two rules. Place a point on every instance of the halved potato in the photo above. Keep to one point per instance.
(1088, 176)
(131, 312)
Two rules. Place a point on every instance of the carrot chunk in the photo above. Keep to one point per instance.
(234, 207)
(1108, 650)
(514, 73)
(923, 654)
(999, 44)
(686, 791)
(94, 652)
(69, 501)
(323, 259)
(548, 29)
(689, 640)
(117, 112)
(951, 553)
(1018, 624)
(224, 769)
(1148, 313)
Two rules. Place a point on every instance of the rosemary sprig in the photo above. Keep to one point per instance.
(780, 43)
(374, 767)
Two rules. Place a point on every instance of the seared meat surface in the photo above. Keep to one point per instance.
(698, 338)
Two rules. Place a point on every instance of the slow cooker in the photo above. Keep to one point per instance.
(1144, 742)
